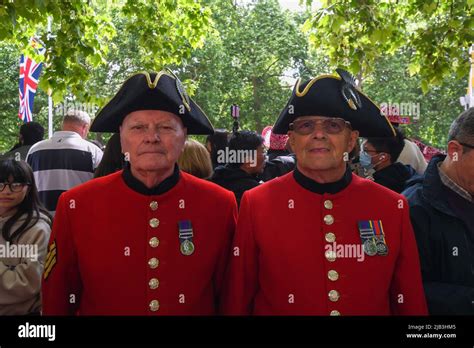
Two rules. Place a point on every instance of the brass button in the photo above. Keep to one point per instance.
(153, 283)
(154, 242)
(154, 222)
(334, 313)
(333, 275)
(330, 237)
(153, 205)
(330, 255)
(153, 262)
(328, 204)
(333, 295)
(154, 305)
(328, 219)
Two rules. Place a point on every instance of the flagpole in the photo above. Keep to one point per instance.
(50, 99)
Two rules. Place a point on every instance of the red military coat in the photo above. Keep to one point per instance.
(115, 248)
(281, 263)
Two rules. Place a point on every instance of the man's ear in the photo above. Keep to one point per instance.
(291, 139)
(353, 137)
(455, 150)
(85, 130)
(121, 140)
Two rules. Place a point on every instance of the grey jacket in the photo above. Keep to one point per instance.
(21, 268)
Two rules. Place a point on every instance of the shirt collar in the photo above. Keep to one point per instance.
(64, 134)
(138, 186)
(449, 183)
(332, 187)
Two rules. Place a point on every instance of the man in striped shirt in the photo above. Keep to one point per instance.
(64, 161)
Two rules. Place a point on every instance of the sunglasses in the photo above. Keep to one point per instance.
(14, 186)
(330, 126)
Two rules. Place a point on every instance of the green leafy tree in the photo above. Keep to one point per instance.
(92, 48)
(245, 62)
(356, 33)
(166, 31)
(391, 83)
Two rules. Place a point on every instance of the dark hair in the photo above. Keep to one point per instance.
(113, 159)
(462, 128)
(244, 140)
(218, 141)
(392, 145)
(32, 132)
(31, 205)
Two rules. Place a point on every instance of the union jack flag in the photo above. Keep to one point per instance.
(29, 76)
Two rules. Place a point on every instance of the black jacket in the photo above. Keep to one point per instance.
(394, 176)
(234, 179)
(278, 166)
(442, 221)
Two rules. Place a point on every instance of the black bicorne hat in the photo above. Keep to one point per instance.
(152, 91)
(335, 96)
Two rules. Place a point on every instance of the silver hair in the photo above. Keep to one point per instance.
(462, 129)
(77, 116)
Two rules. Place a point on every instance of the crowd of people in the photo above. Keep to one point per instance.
(330, 211)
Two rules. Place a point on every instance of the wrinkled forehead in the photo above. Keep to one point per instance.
(152, 116)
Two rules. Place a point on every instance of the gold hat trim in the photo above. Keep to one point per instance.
(302, 93)
(310, 84)
(153, 84)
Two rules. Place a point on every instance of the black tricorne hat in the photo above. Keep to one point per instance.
(152, 91)
(334, 96)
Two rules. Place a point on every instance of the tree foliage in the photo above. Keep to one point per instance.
(82, 32)
(391, 83)
(245, 63)
(356, 33)
(248, 54)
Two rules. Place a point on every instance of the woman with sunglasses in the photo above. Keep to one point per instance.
(25, 227)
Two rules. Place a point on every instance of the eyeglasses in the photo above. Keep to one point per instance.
(330, 126)
(14, 186)
(364, 149)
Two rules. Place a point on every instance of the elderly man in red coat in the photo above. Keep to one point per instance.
(148, 240)
(321, 240)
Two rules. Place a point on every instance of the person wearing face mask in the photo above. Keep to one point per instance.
(380, 155)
